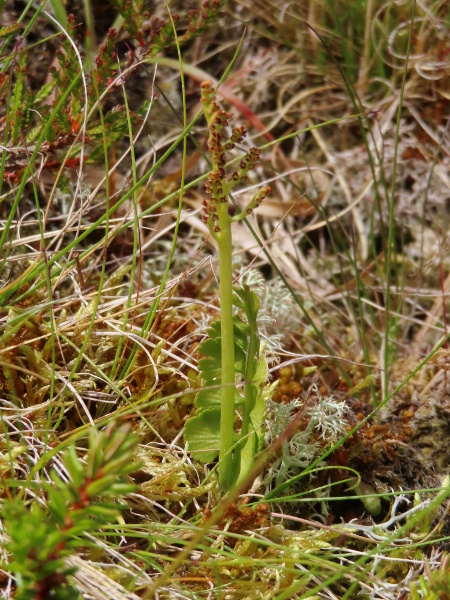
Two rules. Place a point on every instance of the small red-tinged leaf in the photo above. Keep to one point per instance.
(100, 485)
(5, 31)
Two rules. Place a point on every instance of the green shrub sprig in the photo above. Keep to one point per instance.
(43, 535)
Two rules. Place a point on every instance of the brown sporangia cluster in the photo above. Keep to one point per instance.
(218, 184)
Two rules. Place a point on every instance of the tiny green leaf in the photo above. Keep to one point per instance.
(202, 433)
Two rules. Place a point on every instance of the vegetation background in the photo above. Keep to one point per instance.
(109, 281)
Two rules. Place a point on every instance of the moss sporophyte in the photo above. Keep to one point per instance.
(233, 348)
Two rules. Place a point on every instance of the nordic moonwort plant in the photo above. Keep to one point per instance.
(233, 346)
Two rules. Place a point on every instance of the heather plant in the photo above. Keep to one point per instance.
(66, 109)
(161, 32)
(52, 119)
